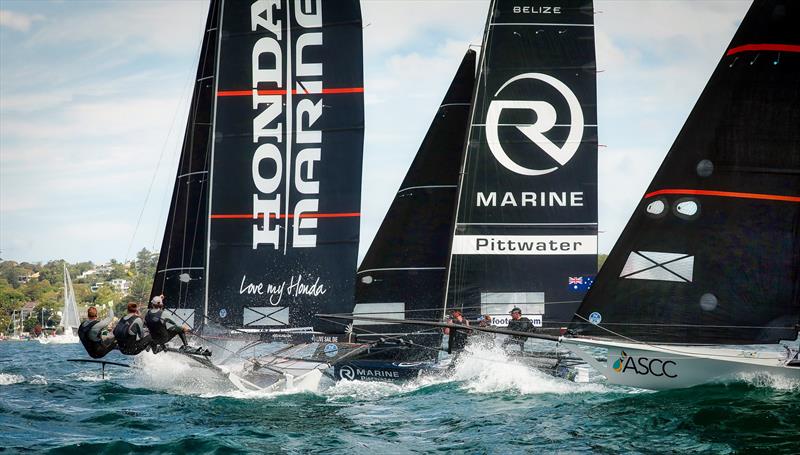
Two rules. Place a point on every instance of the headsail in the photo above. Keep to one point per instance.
(403, 274)
(527, 204)
(69, 317)
(712, 253)
(264, 223)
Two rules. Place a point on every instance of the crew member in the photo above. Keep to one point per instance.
(132, 334)
(162, 328)
(518, 323)
(90, 333)
(457, 339)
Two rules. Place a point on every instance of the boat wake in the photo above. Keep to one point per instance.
(485, 369)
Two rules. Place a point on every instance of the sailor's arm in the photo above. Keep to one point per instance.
(97, 329)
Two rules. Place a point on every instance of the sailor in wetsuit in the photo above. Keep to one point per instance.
(518, 324)
(132, 334)
(163, 329)
(90, 334)
(457, 339)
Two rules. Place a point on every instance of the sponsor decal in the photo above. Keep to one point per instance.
(545, 121)
(653, 265)
(324, 338)
(595, 318)
(265, 316)
(222, 313)
(579, 283)
(331, 350)
(284, 121)
(644, 366)
(537, 10)
(529, 199)
(351, 373)
(295, 287)
(525, 244)
(502, 320)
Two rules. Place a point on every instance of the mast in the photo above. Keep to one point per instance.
(403, 273)
(526, 219)
(711, 254)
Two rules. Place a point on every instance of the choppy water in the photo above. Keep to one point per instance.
(49, 404)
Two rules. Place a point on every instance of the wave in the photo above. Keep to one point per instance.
(11, 379)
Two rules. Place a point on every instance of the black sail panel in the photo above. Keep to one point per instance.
(180, 274)
(403, 272)
(286, 179)
(711, 254)
(526, 232)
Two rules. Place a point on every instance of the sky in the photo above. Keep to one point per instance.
(94, 99)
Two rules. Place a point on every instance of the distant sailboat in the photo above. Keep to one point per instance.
(70, 319)
(710, 259)
(263, 228)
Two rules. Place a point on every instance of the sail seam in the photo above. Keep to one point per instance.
(389, 269)
(527, 224)
(425, 186)
(733, 194)
(286, 91)
(224, 216)
(192, 173)
(763, 47)
(560, 24)
(172, 269)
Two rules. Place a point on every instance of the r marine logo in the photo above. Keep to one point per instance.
(643, 366)
(545, 121)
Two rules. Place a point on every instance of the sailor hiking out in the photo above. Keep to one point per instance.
(132, 334)
(90, 334)
(163, 329)
(518, 323)
(457, 339)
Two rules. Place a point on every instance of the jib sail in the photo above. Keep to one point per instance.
(712, 252)
(403, 274)
(264, 221)
(180, 273)
(526, 232)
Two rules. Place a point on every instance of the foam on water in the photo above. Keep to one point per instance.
(10, 379)
(177, 374)
(771, 381)
(488, 369)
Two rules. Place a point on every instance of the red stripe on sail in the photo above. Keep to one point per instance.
(325, 91)
(763, 47)
(249, 216)
(769, 197)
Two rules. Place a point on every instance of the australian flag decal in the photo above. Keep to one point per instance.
(580, 283)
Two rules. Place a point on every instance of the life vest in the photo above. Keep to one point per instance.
(157, 326)
(93, 347)
(122, 332)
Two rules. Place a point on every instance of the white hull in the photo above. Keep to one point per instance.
(659, 367)
(67, 338)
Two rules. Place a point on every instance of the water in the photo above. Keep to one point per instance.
(48, 404)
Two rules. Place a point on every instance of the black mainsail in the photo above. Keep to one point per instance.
(527, 204)
(403, 273)
(712, 253)
(264, 224)
(181, 271)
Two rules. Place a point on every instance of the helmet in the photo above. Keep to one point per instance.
(516, 308)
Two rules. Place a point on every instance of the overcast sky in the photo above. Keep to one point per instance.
(94, 95)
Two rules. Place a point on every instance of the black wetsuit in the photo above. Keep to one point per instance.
(519, 325)
(89, 334)
(162, 329)
(457, 340)
(132, 335)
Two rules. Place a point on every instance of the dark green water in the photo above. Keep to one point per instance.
(50, 405)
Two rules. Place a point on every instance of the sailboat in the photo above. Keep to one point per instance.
(403, 273)
(526, 216)
(263, 226)
(70, 319)
(516, 175)
(706, 275)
